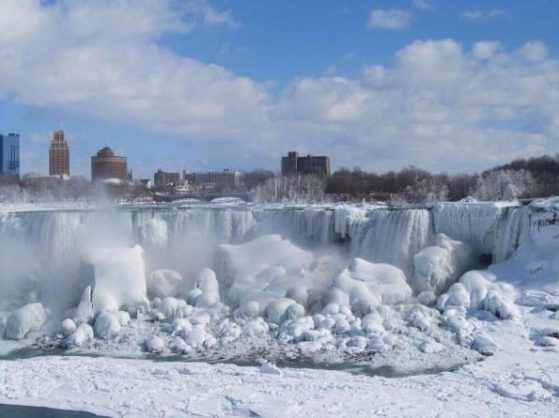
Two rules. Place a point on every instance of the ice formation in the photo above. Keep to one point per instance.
(301, 281)
(119, 278)
(28, 318)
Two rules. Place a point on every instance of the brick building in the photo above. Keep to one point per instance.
(107, 165)
(59, 155)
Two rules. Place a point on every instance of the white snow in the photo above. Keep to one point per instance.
(355, 286)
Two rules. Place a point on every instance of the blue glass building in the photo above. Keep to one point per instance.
(9, 155)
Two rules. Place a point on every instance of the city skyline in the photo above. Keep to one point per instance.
(213, 84)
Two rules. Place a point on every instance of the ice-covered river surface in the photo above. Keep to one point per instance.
(240, 309)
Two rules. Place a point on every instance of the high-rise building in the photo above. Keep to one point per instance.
(162, 178)
(9, 155)
(311, 164)
(106, 165)
(211, 180)
(59, 155)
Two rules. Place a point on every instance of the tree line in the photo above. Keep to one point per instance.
(519, 179)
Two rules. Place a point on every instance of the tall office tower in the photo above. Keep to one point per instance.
(9, 155)
(59, 155)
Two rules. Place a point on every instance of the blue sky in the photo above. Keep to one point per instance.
(202, 85)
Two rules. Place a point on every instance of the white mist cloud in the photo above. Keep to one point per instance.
(437, 104)
(422, 5)
(482, 15)
(391, 19)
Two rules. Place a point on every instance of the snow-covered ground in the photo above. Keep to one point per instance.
(522, 380)
(447, 310)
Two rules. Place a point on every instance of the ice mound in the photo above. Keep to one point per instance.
(206, 292)
(366, 284)
(165, 282)
(84, 311)
(109, 323)
(28, 318)
(477, 290)
(120, 279)
(154, 344)
(248, 268)
(437, 267)
(81, 335)
(67, 327)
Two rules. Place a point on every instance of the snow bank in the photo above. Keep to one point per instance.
(437, 267)
(120, 279)
(26, 319)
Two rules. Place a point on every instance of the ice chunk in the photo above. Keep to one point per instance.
(154, 344)
(477, 291)
(26, 319)
(83, 334)
(208, 286)
(241, 273)
(172, 307)
(436, 268)
(484, 344)
(84, 311)
(179, 346)
(120, 279)
(67, 327)
(269, 368)
(276, 311)
(368, 284)
(107, 325)
(456, 297)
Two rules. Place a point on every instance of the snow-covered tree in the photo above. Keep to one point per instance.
(504, 185)
(292, 189)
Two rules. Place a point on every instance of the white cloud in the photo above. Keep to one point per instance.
(209, 15)
(437, 104)
(482, 15)
(423, 5)
(392, 19)
(534, 51)
(485, 49)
